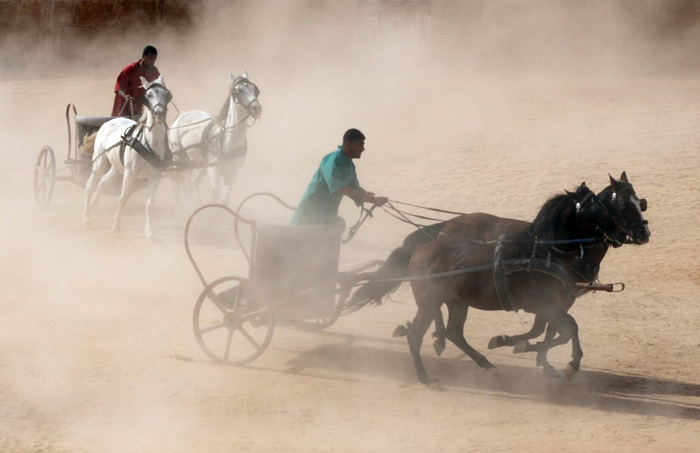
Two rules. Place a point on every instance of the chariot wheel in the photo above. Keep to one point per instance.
(44, 176)
(231, 325)
(323, 322)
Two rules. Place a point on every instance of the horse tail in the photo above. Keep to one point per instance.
(395, 267)
(88, 147)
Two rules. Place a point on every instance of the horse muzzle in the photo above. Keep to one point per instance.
(640, 234)
(255, 109)
(159, 113)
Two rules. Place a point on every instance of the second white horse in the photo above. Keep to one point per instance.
(217, 141)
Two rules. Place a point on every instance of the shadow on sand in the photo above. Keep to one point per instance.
(603, 390)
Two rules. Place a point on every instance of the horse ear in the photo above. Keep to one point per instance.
(245, 74)
(613, 183)
(571, 194)
(624, 177)
(233, 77)
(145, 83)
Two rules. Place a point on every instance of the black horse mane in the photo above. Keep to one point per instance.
(549, 220)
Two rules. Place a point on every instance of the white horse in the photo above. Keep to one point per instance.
(220, 141)
(135, 151)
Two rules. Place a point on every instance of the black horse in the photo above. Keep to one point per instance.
(621, 201)
(522, 270)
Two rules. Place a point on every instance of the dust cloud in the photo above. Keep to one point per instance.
(489, 106)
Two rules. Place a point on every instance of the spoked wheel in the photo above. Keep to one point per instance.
(231, 325)
(323, 322)
(44, 176)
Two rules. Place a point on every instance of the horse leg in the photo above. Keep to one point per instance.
(568, 330)
(215, 185)
(439, 334)
(127, 189)
(152, 186)
(109, 178)
(194, 182)
(519, 341)
(576, 351)
(455, 333)
(98, 169)
(543, 348)
(414, 334)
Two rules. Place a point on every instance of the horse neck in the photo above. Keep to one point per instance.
(548, 225)
(606, 196)
(154, 133)
(232, 119)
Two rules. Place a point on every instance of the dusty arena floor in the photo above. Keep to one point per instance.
(96, 340)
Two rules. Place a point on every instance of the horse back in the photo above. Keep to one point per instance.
(471, 263)
(190, 129)
(483, 227)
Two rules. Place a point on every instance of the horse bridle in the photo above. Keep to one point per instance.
(618, 204)
(168, 97)
(256, 91)
(596, 203)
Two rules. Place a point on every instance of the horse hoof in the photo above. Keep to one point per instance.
(435, 385)
(400, 331)
(570, 372)
(87, 222)
(439, 347)
(497, 342)
(492, 371)
(521, 347)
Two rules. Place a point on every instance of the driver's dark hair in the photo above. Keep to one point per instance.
(352, 134)
(149, 50)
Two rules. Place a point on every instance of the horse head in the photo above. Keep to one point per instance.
(593, 217)
(156, 98)
(579, 214)
(245, 93)
(628, 208)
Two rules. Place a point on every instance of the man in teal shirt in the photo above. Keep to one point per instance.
(335, 178)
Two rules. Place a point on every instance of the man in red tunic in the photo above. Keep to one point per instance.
(128, 86)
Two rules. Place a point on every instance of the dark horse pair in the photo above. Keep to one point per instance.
(493, 263)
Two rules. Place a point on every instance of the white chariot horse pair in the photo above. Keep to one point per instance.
(134, 151)
(138, 152)
(216, 142)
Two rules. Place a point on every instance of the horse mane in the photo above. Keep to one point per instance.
(223, 114)
(549, 219)
(144, 116)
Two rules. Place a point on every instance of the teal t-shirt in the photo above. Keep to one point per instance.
(319, 205)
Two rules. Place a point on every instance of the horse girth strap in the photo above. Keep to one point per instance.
(502, 269)
(144, 150)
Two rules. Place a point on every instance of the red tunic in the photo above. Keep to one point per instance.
(129, 81)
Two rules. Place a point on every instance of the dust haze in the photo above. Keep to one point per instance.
(488, 106)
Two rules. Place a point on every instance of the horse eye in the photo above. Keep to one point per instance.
(643, 204)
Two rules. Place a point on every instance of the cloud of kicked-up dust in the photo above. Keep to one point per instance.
(431, 84)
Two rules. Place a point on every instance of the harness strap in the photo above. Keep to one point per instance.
(144, 150)
(502, 269)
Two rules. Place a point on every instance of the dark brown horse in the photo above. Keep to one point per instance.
(620, 200)
(524, 270)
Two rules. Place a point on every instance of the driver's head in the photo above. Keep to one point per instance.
(353, 143)
(149, 56)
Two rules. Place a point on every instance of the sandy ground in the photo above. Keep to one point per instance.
(96, 340)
